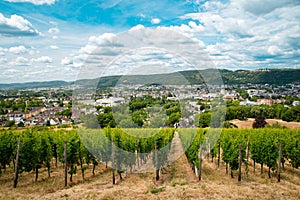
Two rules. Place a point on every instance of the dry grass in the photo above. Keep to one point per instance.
(248, 123)
(177, 182)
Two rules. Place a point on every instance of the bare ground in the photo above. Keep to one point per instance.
(177, 182)
(248, 123)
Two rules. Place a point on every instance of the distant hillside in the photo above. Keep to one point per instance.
(270, 76)
(30, 85)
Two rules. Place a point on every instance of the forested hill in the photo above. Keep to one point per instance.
(270, 76)
(29, 85)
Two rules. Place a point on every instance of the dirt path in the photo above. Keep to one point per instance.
(181, 172)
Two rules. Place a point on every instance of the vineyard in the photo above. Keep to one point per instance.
(235, 147)
(32, 150)
(44, 153)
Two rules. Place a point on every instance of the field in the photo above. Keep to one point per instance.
(248, 123)
(177, 181)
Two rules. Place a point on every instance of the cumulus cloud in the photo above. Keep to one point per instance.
(16, 26)
(21, 61)
(43, 59)
(96, 42)
(18, 49)
(258, 7)
(242, 33)
(139, 51)
(66, 61)
(35, 2)
(137, 27)
(155, 21)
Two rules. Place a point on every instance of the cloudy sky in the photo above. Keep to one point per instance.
(56, 39)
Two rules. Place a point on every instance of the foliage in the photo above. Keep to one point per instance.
(204, 119)
(191, 140)
(10, 123)
(259, 122)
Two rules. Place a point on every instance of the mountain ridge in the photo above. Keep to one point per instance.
(192, 77)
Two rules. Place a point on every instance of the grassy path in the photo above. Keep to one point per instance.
(180, 170)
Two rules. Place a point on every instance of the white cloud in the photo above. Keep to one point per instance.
(137, 27)
(105, 39)
(66, 61)
(94, 42)
(21, 61)
(16, 26)
(140, 50)
(247, 34)
(155, 21)
(18, 49)
(53, 30)
(54, 47)
(258, 7)
(274, 50)
(43, 59)
(35, 2)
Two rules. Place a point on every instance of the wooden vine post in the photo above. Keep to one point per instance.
(200, 162)
(16, 165)
(240, 163)
(137, 154)
(247, 159)
(219, 155)
(113, 162)
(156, 163)
(279, 162)
(65, 164)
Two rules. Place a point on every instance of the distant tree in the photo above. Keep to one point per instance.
(259, 122)
(254, 98)
(291, 114)
(173, 118)
(243, 93)
(10, 123)
(106, 119)
(21, 124)
(127, 123)
(204, 120)
(66, 112)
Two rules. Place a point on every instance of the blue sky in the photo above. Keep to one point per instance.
(51, 39)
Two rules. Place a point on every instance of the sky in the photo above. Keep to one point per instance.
(43, 40)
